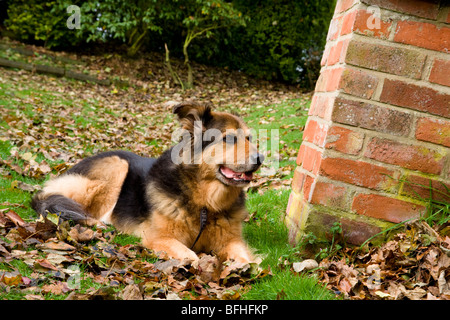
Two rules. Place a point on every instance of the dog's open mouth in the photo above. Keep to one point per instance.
(236, 177)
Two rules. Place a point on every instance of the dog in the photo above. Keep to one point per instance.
(174, 204)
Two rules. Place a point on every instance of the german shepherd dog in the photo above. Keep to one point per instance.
(168, 203)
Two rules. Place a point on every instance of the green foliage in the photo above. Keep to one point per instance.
(36, 21)
(283, 40)
(278, 40)
(201, 18)
(128, 21)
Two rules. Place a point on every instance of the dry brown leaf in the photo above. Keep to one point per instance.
(81, 234)
(56, 288)
(131, 292)
(54, 244)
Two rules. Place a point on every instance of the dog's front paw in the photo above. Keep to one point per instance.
(237, 251)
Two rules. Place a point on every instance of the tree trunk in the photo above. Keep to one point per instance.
(136, 44)
(174, 75)
(190, 78)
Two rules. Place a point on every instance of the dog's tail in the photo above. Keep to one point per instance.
(65, 208)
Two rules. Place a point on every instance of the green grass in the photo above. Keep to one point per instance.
(268, 237)
(289, 118)
(266, 232)
(9, 195)
(288, 286)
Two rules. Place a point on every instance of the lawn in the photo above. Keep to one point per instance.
(47, 124)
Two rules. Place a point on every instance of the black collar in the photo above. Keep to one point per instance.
(203, 219)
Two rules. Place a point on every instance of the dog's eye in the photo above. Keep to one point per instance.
(230, 139)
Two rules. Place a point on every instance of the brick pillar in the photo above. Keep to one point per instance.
(379, 117)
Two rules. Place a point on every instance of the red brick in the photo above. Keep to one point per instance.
(440, 72)
(364, 22)
(309, 158)
(424, 35)
(315, 132)
(369, 116)
(328, 79)
(408, 95)
(321, 106)
(297, 181)
(337, 52)
(296, 205)
(433, 130)
(419, 187)
(368, 24)
(333, 79)
(325, 54)
(301, 154)
(381, 207)
(358, 83)
(407, 156)
(354, 232)
(359, 173)
(310, 129)
(384, 58)
(307, 187)
(347, 22)
(321, 82)
(334, 28)
(289, 203)
(329, 194)
(344, 140)
(422, 8)
(343, 5)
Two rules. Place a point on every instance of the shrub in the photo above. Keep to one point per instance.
(283, 40)
(270, 39)
(37, 21)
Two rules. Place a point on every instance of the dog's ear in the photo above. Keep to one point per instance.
(190, 111)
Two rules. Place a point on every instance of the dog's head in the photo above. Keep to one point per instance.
(221, 143)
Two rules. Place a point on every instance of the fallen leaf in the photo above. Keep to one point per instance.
(56, 245)
(382, 294)
(45, 264)
(415, 294)
(208, 268)
(307, 264)
(11, 278)
(34, 297)
(81, 234)
(170, 265)
(25, 186)
(14, 217)
(27, 156)
(131, 292)
(54, 258)
(57, 288)
(444, 287)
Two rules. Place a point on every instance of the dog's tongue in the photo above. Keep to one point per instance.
(230, 174)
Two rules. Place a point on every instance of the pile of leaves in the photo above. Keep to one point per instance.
(414, 265)
(47, 258)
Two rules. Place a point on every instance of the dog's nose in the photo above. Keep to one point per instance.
(256, 158)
